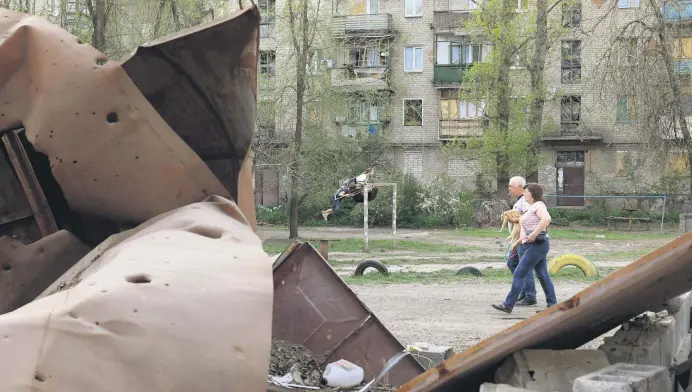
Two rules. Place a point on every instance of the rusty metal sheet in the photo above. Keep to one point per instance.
(632, 290)
(25, 270)
(181, 303)
(27, 178)
(110, 151)
(203, 83)
(315, 308)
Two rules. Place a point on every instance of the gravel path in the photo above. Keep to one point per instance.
(449, 314)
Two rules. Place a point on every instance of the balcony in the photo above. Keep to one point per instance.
(683, 66)
(361, 129)
(674, 12)
(450, 20)
(373, 25)
(449, 74)
(462, 128)
(361, 78)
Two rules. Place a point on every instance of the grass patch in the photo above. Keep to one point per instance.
(618, 255)
(419, 261)
(355, 245)
(492, 275)
(572, 234)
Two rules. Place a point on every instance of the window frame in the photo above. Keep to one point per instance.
(405, 100)
(569, 10)
(571, 64)
(413, 50)
(414, 14)
(570, 125)
(268, 66)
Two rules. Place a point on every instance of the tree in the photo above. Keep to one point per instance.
(644, 70)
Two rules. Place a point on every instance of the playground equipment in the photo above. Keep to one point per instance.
(367, 187)
(581, 262)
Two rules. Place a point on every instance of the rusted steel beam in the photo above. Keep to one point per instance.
(27, 178)
(15, 216)
(634, 289)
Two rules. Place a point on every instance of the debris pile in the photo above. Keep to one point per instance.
(297, 361)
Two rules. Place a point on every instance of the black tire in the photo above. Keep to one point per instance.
(381, 268)
(470, 271)
(360, 198)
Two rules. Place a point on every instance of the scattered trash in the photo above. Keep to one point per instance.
(387, 367)
(289, 360)
(343, 374)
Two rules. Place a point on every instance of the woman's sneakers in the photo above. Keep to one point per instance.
(526, 301)
(502, 308)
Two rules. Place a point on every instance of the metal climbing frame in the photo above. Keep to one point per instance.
(365, 212)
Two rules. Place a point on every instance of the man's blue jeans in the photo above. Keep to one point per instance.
(529, 289)
(533, 258)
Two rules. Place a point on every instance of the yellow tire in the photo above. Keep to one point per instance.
(581, 262)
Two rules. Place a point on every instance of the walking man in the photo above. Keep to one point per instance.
(528, 292)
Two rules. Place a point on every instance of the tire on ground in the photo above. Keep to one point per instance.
(379, 266)
(470, 271)
(581, 262)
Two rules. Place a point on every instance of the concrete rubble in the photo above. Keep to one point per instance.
(430, 355)
(488, 387)
(549, 370)
(625, 377)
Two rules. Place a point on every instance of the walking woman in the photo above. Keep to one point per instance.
(535, 246)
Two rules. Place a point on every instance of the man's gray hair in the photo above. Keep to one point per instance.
(517, 180)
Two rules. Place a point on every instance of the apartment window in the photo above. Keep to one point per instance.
(413, 59)
(370, 56)
(413, 112)
(452, 108)
(628, 3)
(267, 13)
(571, 61)
(571, 13)
(363, 112)
(458, 53)
(629, 49)
(623, 112)
(267, 62)
(413, 7)
(570, 112)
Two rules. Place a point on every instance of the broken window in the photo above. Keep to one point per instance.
(571, 13)
(570, 112)
(628, 3)
(624, 110)
(571, 61)
(413, 112)
(267, 13)
(413, 59)
(267, 62)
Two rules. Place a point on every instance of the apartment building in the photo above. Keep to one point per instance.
(415, 53)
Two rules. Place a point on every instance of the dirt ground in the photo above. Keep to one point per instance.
(455, 314)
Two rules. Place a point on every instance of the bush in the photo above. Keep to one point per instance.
(272, 215)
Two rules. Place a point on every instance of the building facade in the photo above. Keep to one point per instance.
(415, 53)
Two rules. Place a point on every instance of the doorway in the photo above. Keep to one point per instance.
(570, 178)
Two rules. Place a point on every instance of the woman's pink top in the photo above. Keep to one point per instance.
(530, 220)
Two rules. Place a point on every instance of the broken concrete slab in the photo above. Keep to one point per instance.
(488, 387)
(430, 355)
(549, 370)
(625, 377)
(645, 340)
